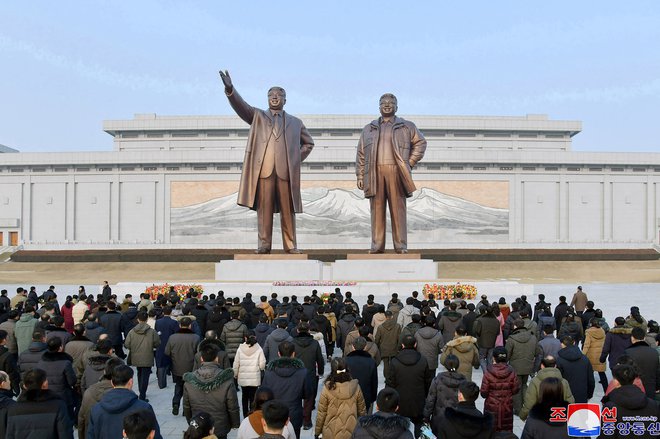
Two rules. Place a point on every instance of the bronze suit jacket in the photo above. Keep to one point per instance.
(298, 146)
(409, 148)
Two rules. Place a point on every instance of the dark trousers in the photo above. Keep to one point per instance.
(308, 404)
(386, 366)
(485, 358)
(603, 380)
(388, 193)
(161, 374)
(247, 398)
(274, 192)
(143, 374)
(178, 390)
(518, 397)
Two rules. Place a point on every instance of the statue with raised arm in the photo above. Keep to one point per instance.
(270, 180)
(388, 149)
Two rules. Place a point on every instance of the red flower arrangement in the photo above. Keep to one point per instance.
(452, 291)
(164, 289)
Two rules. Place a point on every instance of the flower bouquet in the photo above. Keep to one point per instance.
(181, 290)
(451, 291)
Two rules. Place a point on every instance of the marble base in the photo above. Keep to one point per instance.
(269, 269)
(381, 269)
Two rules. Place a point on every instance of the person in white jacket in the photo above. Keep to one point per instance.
(79, 310)
(249, 362)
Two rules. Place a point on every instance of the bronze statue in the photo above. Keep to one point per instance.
(388, 149)
(270, 181)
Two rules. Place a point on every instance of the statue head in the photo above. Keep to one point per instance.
(387, 105)
(276, 98)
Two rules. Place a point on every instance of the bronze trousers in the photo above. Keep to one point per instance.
(388, 192)
(273, 192)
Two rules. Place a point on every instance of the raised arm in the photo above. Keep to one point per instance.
(244, 110)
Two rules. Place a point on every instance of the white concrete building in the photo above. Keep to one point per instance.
(485, 182)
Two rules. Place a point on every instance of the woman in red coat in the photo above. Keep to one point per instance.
(66, 311)
(498, 386)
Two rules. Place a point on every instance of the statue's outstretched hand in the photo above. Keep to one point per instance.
(226, 80)
(360, 184)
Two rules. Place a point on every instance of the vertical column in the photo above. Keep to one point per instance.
(608, 213)
(562, 210)
(114, 209)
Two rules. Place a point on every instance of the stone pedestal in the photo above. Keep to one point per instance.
(268, 268)
(385, 268)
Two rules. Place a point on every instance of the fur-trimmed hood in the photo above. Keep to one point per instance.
(208, 377)
(56, 356)
(467, 420)
(463, 343)
(285, 363)
(384, 425)
(624, 330)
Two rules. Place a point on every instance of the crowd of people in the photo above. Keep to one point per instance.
(73, 366)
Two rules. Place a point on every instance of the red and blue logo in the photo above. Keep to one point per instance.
(583, 420)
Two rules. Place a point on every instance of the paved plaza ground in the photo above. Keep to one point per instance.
(613, 285)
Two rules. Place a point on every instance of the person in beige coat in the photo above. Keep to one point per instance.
(594, 340)
(249, 362)
(465, 348)
(340, 405)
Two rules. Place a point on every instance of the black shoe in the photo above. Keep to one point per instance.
(175, 409)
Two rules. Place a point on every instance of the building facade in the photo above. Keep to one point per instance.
(485, 182)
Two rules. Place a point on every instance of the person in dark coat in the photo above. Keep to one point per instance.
(59, 372)
(93, 363)
(211, 389)
(287, 378)
(211, 338)
(576, 368)
(6, 401)
(469, 318)
(560, 311)
(385, 423)
(112, 322)
(571, 327)
(410, 375)
(617, 341)
(387, 340)
(262, 330)
(448, 322)
(524, 355)
(106, 418)
(201, 313)
(464, 421)
(56, 328)
(498, 386)
(443, 391)
(538, 425)
(628, 399)
(181, 348)
(165, 327)
(363, 368)
(345, 324)
(233, 334)
(369, 309)
(646, 359)
(486, 328)
(37, 402)
(93, 329)
(217, 317)
(309, 352)
(8, 364)
(28, 359)
(274, 339)
(323, 326)
(129, 319)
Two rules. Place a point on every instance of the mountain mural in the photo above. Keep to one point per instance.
(343, 216)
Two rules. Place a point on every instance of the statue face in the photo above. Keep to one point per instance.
(276, 98)
(387, 106)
